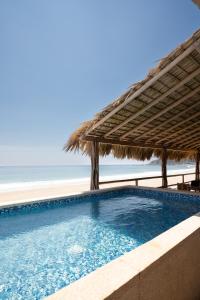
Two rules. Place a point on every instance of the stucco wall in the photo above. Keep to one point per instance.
(174, 276)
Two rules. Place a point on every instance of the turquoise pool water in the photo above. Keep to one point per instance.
(47, 246)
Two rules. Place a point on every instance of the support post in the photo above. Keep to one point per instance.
(94, 182)
(183, 178)
(197, 177)
(164, 168)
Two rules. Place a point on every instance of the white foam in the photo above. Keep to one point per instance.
(22, 186)
(2, 287)
(75, 249)
(19, 186)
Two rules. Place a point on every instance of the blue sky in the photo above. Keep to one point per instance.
(61, 61)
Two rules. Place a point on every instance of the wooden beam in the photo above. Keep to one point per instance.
(144, 87)
(194, 140)
(161, 112)
(197, 165)
(154, 102)
(164, 167)
(197, 46)
(165, 122)
(192, 144)
(175, 126)
(181, 144)
(94, 182)
(196, 146)
(131, 144)
(174, 134)
(191, 140)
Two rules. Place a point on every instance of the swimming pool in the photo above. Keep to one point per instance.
(46, 246)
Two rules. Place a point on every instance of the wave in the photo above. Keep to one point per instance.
(27, 185)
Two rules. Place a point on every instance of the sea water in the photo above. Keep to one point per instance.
(21, 177)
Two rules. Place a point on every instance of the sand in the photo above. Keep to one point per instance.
(66, 189)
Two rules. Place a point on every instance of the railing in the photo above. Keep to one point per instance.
(136, 180)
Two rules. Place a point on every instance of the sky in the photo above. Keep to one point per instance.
(61, 61)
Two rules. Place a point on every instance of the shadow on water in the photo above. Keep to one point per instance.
(95, 209)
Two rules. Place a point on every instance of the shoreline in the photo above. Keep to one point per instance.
(27, 185)
(50, 190)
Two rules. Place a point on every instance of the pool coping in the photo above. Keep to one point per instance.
(44, 199)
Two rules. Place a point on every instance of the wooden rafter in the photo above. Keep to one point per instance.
(154, 102)
(174, 117)
(173, 135)
(131, 144)
(197, 47)
(190, 142)
(161, 112)
(182, 137)
(164, 132)
(145, 86)
(190, 133)
(194, 145)
(194, 135)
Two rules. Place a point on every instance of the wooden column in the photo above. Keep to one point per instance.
(94, 182)
(197, 177)
(164, 167)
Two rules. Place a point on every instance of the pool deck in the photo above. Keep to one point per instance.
(61, 190)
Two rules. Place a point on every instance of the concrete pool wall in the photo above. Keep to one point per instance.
(165, 268)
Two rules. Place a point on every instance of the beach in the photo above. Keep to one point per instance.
(33, 191)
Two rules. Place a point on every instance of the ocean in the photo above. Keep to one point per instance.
(22, 177)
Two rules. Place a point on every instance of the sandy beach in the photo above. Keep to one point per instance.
(49, 191)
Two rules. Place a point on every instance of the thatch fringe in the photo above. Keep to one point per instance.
(122, 152)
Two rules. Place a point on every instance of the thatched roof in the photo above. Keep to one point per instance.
(197, 2)
(163, 110)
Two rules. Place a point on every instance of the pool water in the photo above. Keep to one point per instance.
(46, 247)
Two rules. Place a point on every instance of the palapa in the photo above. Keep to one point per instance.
(161, 111)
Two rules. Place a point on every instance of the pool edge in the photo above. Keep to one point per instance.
(85, 193)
